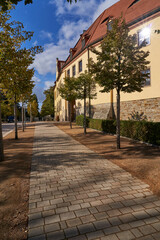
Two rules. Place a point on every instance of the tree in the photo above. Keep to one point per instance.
(120, 65)
(6, 3)
(85, 89)
(1, 137)
(68, 91)
(48, 103)
(15, 77)
(32, 107)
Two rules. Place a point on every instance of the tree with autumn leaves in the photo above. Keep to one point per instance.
(48, 104)
(15, 74)
(120, 65)
(32, 107)
(5, 4)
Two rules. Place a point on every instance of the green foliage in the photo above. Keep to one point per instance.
(6, 110)
(107, 126)
(138, 130)
(15, 75)
(32, 106)
(68, 89)
(80, 120)
(48, 103)
(120, 62)
(5, 4)
(142, 131)
(86, 86)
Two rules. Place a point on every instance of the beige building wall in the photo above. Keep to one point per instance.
(152, 91)
(130, 102)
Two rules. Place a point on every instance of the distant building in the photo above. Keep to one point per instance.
(143, 18)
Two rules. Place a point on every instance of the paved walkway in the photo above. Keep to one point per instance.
(76, 194)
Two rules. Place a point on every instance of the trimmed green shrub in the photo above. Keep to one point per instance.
(142, 131)
(80, 119)
(137, 130)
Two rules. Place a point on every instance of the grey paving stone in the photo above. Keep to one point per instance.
(59, 235)
(85, 228)
(51, 227)
(101, 224)
(148, 229)
(95, 235)
(36, 223)
(67, 216)
(35, 231)
(111, 230)
(156, 226)
(127, 235)
(71, 232)
(156, 236)
(110, 237)
(52, 219)
(41, 237)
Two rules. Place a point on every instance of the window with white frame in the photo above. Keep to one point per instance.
(80, 66)
(144, 36)
(148, 79)
(68, 73)
(74, 70)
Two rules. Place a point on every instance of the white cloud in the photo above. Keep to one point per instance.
(35, 43)
(68, 35)
(46, 35)
(79, 8)
(71, 30)
(101, 7)
(87, 11)
(38, 90)
(46, 62)
(48, 84)
(36, 79)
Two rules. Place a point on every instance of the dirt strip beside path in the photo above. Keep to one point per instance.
(14, 185)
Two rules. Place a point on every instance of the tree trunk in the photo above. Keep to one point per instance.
(89, 102)
(30, 112)
(15, 118)
(118, 119)
(89, 88)
(70, 117)
(22, 117)
(84, 124)
(1, 138)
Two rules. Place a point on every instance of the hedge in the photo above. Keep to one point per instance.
(138, 130)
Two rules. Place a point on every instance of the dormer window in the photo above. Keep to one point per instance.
(72, 52)
(83, 42)
(84, 39)
(134, 2)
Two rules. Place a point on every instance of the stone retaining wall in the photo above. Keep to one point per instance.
(150, 107)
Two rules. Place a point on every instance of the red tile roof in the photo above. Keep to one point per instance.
(131, 13)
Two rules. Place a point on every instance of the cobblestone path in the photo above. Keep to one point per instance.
(76, 194)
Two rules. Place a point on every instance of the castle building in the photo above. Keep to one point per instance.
(143, 19)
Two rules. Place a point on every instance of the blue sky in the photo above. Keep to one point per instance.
(57, 26)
